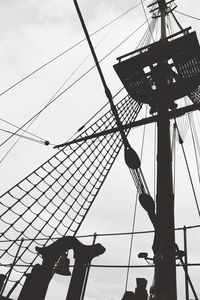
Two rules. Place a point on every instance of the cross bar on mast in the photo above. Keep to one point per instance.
(167, 9)
(172, 114)
(157, 2)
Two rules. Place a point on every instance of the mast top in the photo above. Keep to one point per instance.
(170, 67)
(162, 4)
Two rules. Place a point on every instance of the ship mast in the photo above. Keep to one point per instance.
(165, 266)
(162, 7)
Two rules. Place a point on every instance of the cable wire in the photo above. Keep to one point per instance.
(181, 13)
(194, 134)
(174, 156)
(93, 116)
(131, 244)
(25, 137)
(77, 80)
(169, 25)
(53, 97)
(188, 169)
(65, 51)
(176, 20)
(46, 142)
(32, 134)
(149, 27)
(101, 234)
(135, 210)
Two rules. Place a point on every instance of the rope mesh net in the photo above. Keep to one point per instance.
(54, 199)
(195, 95)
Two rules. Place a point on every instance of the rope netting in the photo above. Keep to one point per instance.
(54, 199)
(195, 95)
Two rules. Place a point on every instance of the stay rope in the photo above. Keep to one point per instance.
(195, 142)
(55, 198)
(49, 102)
(76, 81)
(187, 15)
(188, 169)
(27, 132)
(68, 49)
(134, 213)
(149, 26)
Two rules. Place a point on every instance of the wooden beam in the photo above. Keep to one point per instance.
(173, 114)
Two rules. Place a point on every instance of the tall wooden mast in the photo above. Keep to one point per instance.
(159, 74)
(165, 269)
(162, 6)
(165, 266)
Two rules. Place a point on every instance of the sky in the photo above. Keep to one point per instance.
(33, 32)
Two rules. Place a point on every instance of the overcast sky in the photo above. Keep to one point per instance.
(33, 32)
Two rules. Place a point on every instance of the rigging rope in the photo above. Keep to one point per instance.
(146, 39)
(55, 198)
(92, 117)
(149, 33)
(194, 130)
(54, 95)
(184, 14)
(25, 137)
(169, 25)
(174, 156)
(77, 80)
(156, 30)
(114, 111)
(32, 134)
(131, 245)
(188, 169)
(103, 81)
(196, 146)
(67, 50)
(99, 235)
(149, 26)
(176, 20)
(183, 122)
(134, 213)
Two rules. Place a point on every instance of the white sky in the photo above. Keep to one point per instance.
(34, 31)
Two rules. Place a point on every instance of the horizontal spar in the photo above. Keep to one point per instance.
(172, 114)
